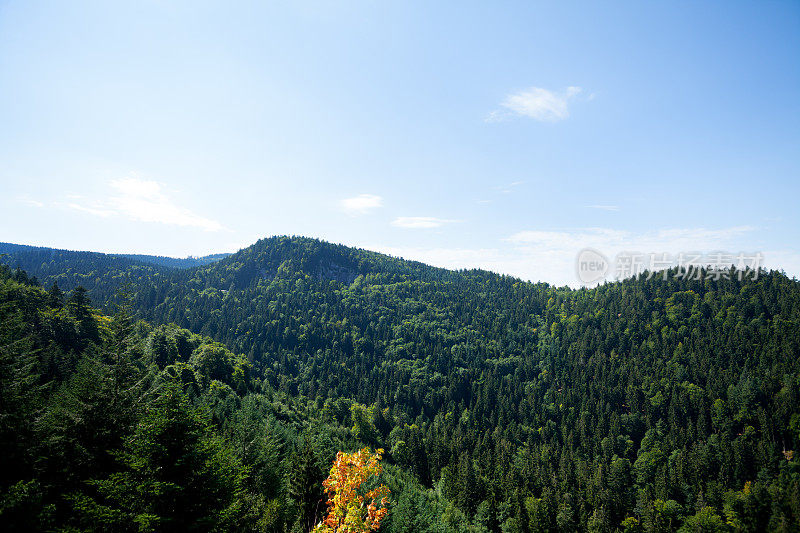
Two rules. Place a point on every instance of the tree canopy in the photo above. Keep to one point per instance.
(649, 404)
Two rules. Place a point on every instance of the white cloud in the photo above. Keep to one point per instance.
(96, 211)
(536, 103)
(420, 222)
(361, 204)
(27, 200)
(145, 201)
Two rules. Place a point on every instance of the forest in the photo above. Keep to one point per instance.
(139, 393)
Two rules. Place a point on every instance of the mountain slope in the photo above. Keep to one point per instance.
(73, 268)
(545, 408)
(107, 425)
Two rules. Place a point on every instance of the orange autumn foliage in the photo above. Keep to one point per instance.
(350, 509)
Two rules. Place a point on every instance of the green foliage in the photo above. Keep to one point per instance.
(706, 520)
(215, 362)
(177, 475)
(364, 428)
(648, 404)
(305, 484)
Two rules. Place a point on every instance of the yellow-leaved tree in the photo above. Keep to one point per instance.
(352, 508)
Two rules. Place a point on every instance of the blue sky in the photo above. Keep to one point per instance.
(496, 134)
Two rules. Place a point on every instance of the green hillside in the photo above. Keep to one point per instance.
(503, 405)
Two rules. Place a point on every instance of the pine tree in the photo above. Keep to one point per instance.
(178, 475)
(305, 484)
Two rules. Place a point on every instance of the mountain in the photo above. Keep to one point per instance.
(74, 267)
(175, 262)
(648, 404)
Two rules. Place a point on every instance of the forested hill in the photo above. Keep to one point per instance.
(72, 267)
(177, 262)
(644, 404)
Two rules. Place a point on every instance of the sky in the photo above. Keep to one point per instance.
(501, 135)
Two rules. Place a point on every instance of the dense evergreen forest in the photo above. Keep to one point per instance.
(215, 396)
(85, 263)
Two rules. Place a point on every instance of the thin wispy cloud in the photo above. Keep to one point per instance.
(508, 188)
(566, 239)
(536, 103)
(361, 204)
(604, 207)
(96, 211)
(421, 222)
(144, 201)
(666, 240)
(30, 202)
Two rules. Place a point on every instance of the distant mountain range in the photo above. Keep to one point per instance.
(29, 253)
